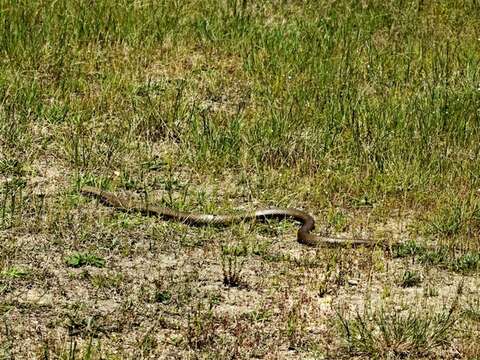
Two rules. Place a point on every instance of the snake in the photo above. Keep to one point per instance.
(129, 204)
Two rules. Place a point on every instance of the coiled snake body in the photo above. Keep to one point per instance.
(303, 235)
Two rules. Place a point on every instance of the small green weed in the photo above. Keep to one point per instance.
(14, 273)
(163, 297)
(409, 248)
(410, 279)
(232, 267)
(78, 259)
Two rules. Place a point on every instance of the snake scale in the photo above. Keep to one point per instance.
(129, 204)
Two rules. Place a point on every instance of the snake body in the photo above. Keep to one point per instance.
(129, 204)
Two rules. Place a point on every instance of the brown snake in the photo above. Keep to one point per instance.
(303, 234)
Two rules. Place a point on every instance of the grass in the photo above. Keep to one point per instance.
(410, 278)
(461, 262)
(366, 114)
(388, 333)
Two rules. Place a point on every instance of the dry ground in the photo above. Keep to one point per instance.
(167, 290)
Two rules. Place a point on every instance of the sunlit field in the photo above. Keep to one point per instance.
(365, 114)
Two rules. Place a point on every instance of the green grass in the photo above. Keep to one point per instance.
(385, 333)
(462, 262)
(364, 113)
